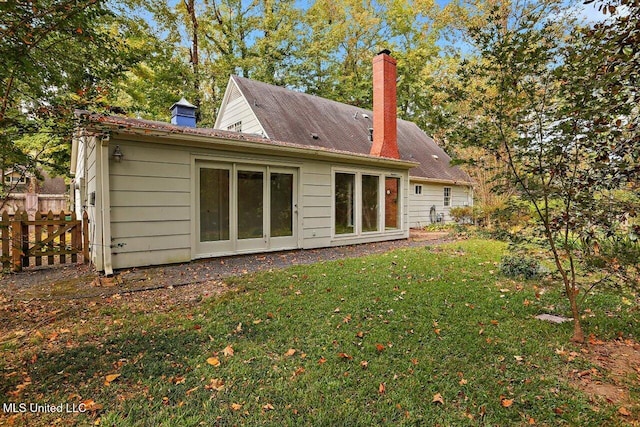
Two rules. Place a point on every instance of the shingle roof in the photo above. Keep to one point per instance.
(287, 115)
(101, 122)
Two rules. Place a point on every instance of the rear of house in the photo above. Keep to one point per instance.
(285, 171)
(175, 195)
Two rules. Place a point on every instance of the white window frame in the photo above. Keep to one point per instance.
(446, 197)
(358, 202)
(235, 127)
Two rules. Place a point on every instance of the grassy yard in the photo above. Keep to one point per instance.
(427, 336)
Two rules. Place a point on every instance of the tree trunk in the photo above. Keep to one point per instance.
(195, 56)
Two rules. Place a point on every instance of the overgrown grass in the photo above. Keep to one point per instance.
(428, 336)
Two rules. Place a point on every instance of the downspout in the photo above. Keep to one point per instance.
(106, 206)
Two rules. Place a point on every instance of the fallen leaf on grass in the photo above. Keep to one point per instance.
(192, 390)
(364, 364)
(506, 402)
(437, 398)
(216, 384)
(110, 378)
(290, 352)
(382, 388)
(379, 347)
(624, 411)
(228, 351)
(345, 356)
(92, 406)
(322, 360)
(236, 406)
(213, 361)
(268, 407)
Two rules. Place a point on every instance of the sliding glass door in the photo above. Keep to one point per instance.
(245, 208)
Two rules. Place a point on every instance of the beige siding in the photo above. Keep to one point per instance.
(433, 195)
(153, 194)
(316, 203)
(89, 169)
(150, 205)
(238, 110)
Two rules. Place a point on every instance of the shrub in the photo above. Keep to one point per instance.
(462, 214)
(520, 266)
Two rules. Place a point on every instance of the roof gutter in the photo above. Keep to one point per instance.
(441, 181)
(281, 148)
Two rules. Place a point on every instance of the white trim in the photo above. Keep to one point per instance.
(440, 181)
(258, 146)
(106, 205)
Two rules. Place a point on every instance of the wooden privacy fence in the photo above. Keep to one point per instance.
(56, 238)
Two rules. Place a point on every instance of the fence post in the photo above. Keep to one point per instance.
(4, 229)
(76, 241)
(38, 237)
(16, 249)
(25, 238)
(85, 237)
(49, 234)
(63, 239)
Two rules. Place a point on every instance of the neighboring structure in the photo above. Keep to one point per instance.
(31, 193)
(160, 193)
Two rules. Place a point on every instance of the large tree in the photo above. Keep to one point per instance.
(536, 97)
(57, 55)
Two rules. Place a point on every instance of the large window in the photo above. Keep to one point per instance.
(214, 204)
(366, 203)
(370, 198)
(391, 203)
(250, 204)
(344, 203)
(281, 204)
(447, 196)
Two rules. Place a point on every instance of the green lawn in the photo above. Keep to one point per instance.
(427, 336)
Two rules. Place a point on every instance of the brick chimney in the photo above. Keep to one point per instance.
(385, 120)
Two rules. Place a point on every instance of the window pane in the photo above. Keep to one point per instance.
(250, 204)
(369, 203)
(447, 196)
(214, 204)
(391, 210)
(344, 201)
(281, 204)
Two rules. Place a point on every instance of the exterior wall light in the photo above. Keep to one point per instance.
(117, 154)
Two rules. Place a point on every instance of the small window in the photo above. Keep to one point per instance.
(9, 179)
(447, 196)
(236, 127)
(418, 189)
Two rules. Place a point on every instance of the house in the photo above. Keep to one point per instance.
(287, 171)
(281, 114)
(32, 192)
